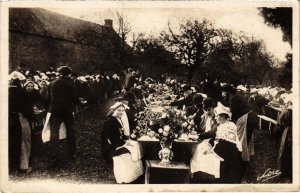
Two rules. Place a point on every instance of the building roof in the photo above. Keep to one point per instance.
(41, 22)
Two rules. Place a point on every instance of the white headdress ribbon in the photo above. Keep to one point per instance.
(114, 106)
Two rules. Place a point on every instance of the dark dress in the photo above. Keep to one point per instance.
(19, 103)
(15, 106)
(225, 146)
(231, 168)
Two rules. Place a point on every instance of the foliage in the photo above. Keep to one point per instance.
(286, 76)
(236, 58)
(193, 43)
(152, 57)
(280, 17)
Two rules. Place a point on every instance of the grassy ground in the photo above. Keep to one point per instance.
(89, 167)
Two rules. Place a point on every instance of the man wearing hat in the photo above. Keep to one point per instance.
(187, 100)
(207, 130)
(227, 92)
(62, 101)
(196, 109)
(258, 102)
(210, 89)
(208, 125)
(21, 68)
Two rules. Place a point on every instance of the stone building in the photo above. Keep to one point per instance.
(42, 39)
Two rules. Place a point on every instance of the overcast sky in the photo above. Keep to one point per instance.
(153, 20)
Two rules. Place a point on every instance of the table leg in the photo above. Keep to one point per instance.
(147, 173)
(259, 123)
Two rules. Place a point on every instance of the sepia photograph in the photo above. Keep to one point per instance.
(139, 96)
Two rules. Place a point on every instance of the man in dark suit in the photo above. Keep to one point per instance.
(211, 89)
(208, 125)
(21, 68)
(187, 100)
(130, 80)
(62, 101)
(196, 110)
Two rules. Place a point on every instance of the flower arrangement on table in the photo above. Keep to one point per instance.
(165, 124)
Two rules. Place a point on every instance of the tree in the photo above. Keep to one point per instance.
(123, 31)
(285, 79)
(193, 43)
(152, 57)
(221, 60)
(238, 59)
(280, 17)
(136, 38)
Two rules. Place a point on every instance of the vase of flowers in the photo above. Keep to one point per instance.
(165, 124)
(165, 154)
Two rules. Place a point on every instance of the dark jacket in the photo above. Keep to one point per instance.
(20, 102)
(239, 107)
(35, 98)
(45, 97)
(111, 137)
(258, 104)
(188, 101)
(129, 81)
(16, 96)
(197, 111)
(63, 97)
(211, 90)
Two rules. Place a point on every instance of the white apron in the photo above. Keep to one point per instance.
(128, 167)
(46, 133)
(25, 143)
(205, 162)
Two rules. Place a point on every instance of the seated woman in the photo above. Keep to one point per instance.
(121, 154)
(221, 162)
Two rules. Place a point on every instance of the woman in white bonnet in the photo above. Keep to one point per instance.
(227, 147)
(121, 155)
(222, 161)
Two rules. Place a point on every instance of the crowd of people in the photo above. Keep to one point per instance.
(225, 116)
(35, 94)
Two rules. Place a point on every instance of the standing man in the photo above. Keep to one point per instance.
(21, 68)
(129, 80)
(62, 102)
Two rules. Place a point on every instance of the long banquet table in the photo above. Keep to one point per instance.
(182, 149)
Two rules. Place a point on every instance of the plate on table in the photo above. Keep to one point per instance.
(193, 137)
